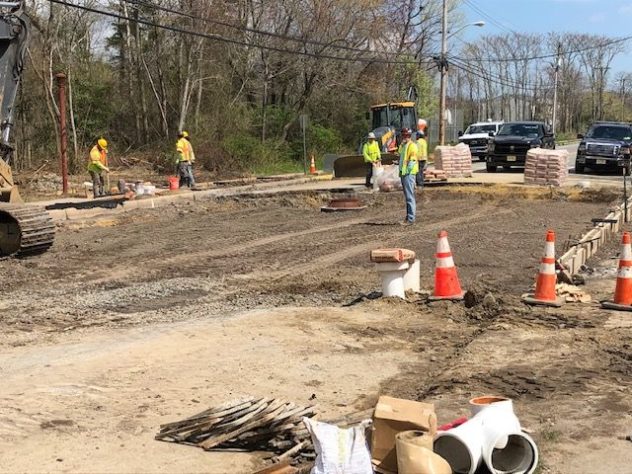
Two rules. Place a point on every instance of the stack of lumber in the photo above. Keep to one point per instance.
(455, 161)
(546, 167)
(248, 425)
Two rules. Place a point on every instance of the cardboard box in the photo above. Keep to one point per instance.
(392, 416)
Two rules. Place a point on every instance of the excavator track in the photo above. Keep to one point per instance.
(25, 230)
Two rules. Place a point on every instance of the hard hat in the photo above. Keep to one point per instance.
(184, 134)
(372, 135)
(102, 142)
(405, 132)
(421, 122)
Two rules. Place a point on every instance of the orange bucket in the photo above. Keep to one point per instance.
(174, 183)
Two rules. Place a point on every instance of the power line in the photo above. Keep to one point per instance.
(242, 27)
(489, 17)
(223, 39)
(603, 44)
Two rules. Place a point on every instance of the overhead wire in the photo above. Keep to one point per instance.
(223, 39)
(243, 27)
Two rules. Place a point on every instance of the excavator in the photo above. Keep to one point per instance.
(24, 230)
(387, 122)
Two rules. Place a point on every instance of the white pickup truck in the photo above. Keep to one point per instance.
(476, 136)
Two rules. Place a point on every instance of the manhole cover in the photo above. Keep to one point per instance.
(343, 204)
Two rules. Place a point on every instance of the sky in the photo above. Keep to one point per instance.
(612, 18)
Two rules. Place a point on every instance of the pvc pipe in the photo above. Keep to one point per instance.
(392, 275)
(462, 447)
(493, 436)
(412, 278)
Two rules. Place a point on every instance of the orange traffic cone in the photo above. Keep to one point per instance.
(547, 278)
(312, 167)
(623, 290)
(447, 286)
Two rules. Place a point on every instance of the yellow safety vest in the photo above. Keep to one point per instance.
(97, 159)
(371, 152)
(408, 153)
(422, 147)
(185, 151)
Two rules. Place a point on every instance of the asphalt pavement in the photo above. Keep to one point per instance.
(592, 177)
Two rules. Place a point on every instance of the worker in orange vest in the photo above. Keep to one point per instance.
(97, 165)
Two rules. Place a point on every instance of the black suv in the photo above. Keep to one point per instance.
(512, 142)
(607, 145)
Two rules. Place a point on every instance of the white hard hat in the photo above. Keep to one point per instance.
(372, 135)
(421, 122)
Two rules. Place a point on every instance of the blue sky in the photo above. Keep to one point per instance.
(612, 18)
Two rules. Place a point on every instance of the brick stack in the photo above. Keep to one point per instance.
(546, 167)
(456, 161)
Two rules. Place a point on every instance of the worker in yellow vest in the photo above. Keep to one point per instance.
(97, 165)
(422, 157)
(408, 168)
(185, 160)
(372, 156)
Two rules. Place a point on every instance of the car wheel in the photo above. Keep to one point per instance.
(491, 168)
(579, 169)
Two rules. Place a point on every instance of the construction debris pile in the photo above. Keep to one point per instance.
(251, 425)
(546, 167)
(398, 436)
(455, 161)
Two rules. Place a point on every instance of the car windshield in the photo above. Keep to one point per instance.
(609, 132)
(520, 129)
(480, 129)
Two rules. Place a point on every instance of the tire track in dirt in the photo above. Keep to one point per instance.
(357, 249)
(188, 259)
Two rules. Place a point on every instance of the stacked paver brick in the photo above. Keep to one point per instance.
(455, 161)
(546, 167)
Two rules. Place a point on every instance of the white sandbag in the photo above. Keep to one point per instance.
(338, 450)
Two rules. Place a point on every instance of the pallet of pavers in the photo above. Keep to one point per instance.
(455, 161)
(435, 176)
(546, 167)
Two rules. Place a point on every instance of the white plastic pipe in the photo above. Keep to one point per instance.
(412, 278)
(462, 446)
(493, 436)
(392, 275)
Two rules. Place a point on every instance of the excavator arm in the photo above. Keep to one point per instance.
(24, 230)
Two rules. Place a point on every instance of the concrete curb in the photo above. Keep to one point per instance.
(72, 213)
(596, 237)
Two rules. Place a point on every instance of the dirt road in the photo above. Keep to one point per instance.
(147, 317)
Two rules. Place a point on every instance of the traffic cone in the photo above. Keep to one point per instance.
(312, 167)
(547, 278)
(447, 286)
(623, 290)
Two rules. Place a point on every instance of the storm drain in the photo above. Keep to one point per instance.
(344, 204)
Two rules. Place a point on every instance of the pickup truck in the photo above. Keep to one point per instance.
(605, 145)
(512, 142)
(476, 137)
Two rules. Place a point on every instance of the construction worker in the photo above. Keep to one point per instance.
(185, 160)
(372, 156)
(422, 157)
(97, 165)
(408, 168)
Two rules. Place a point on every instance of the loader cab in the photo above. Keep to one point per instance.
(397, 115)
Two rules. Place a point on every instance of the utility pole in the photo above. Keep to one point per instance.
(63, 134)
(622, 98)
(557, 70)
(443, 64)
